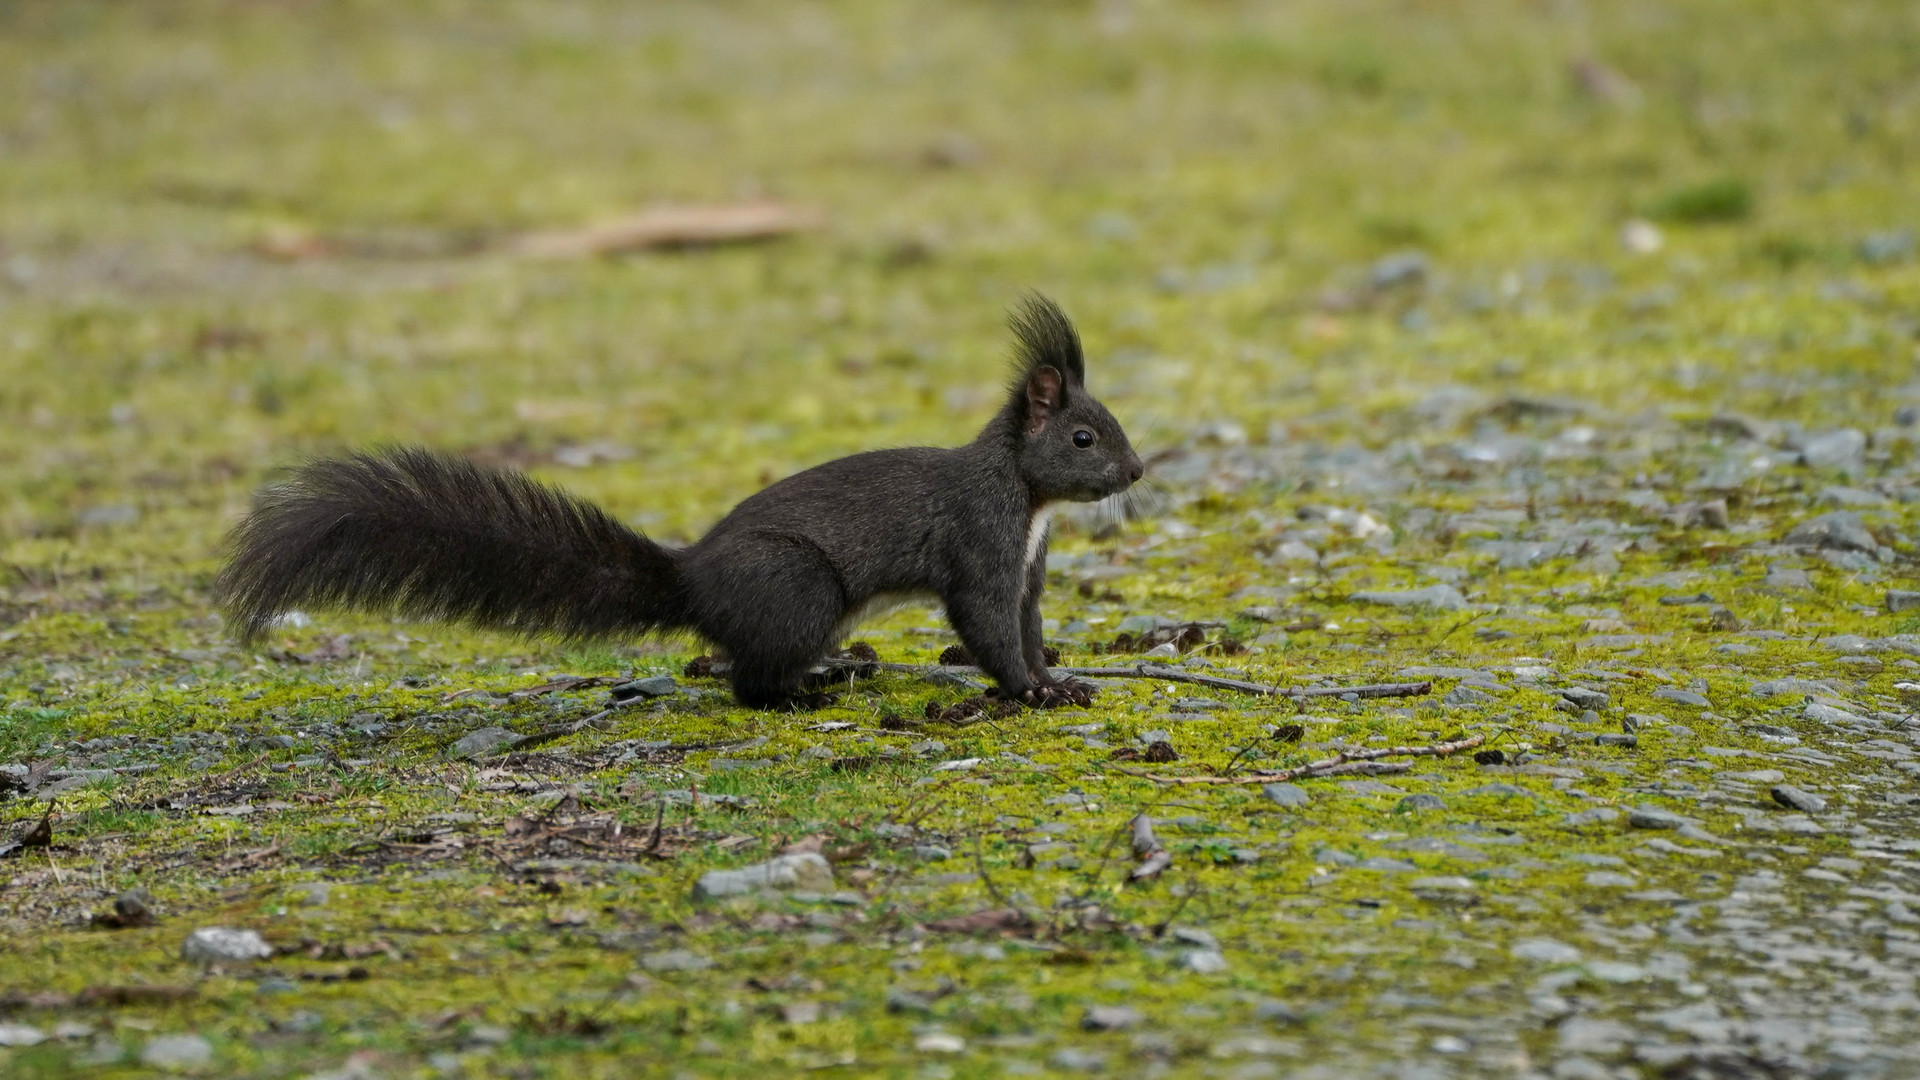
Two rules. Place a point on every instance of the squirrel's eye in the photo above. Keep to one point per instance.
(1083, 438)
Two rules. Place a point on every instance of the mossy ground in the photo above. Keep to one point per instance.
(1216, 192)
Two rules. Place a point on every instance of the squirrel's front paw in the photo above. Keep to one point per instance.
(1063, 692)
(798, 703)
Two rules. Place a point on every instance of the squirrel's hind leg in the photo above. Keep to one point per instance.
(777, 617)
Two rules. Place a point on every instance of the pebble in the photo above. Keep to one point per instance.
(1545, 951)
(1111, 1018)
(1838, 449)
(1584, 697)
(1437, 597)
(939, 1042)
(1652, 817)
(806, 871)
(220, 945)
(675, 960)
(475, 743)
(1841, 530)
(1072, 1059)
(21, 1035)
(1466, 695)
(1795, 799)
(177, 1053)
(1683, 697)
(1205, 961)
(1421, 801)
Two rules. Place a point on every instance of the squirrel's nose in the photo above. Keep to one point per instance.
(1136, 471)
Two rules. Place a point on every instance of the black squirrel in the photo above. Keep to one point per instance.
(776, 584)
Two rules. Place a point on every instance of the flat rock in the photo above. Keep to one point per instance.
(1683, 697)
(1902, 600)
(675, 960)
(1841, 530)
(220, 945)
(1545, 951)
(1795, 799)
(1285, 794)
(1437, 597)
(1652, 817)
(475, 743)
(1111, 1018)
(806, 871)
(175, 1053)
(21, 1035)
(1840, 448)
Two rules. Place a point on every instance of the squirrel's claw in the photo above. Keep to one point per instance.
(1063, 692)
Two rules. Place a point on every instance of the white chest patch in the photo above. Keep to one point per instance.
(1036, 534)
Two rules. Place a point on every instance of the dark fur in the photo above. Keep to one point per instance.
(773, 583)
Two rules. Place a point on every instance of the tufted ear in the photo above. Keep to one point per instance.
(1047, 339)
(1045, 395)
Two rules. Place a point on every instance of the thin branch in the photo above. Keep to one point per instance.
(1171, 674)
(1344, 763)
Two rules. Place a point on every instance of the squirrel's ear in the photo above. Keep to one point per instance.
(1047, 339)
(1045, 395)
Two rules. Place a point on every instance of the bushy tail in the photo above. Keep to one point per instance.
(418, 534)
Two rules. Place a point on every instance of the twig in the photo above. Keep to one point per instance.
(1344, 763)
(986, 879)
(1170, 674)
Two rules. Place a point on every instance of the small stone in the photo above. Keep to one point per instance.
(1580, 1068)
(1584, 697)
(1071, 1059)
(1111, 1018)
(1684, 697)
(1841, 530)
(1599, 815)
(177, 1053)
(1607, 879)
(1545, 951)
(650, 687)
(1837, 449)
(939, 1042)
(1902, 600)
(1466, 695)
(1497, 790)
(1421, 801)
(219, 945)
(675, 960)
(475, 743)
(21, 1035)
(1587, 1035)
(931, 852)
(907, 1001)
(1204, 961)
(1289, 795)
(1437, 597)
(1652, 817)
(807, 871)
(1786, 577)
(1794, 799)
(1641, 237)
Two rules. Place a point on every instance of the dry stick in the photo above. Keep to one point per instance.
(1169, 674)
(1349, 762)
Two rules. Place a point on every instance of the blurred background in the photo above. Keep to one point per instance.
(233, 234)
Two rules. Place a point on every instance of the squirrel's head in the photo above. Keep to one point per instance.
(1070, 447)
